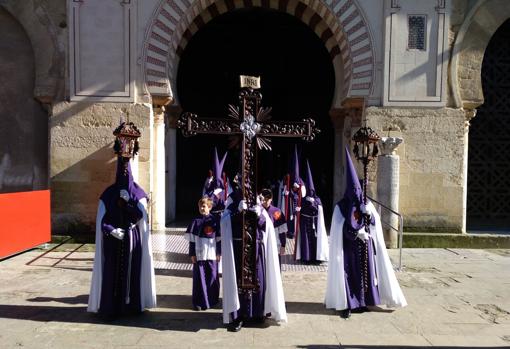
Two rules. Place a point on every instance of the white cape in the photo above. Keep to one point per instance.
(322, 252)
(147, 279)
(389, 290)
(274, 301)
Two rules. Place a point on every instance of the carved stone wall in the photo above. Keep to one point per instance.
(82, 160)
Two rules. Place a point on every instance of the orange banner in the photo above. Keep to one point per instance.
(24, 221)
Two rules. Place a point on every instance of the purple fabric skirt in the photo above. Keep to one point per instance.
(206, 284)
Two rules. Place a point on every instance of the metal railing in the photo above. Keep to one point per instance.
(399, 229)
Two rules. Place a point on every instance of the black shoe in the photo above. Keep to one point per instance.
(235, 326)
(360, 310)
(197, 308)
(345, 314)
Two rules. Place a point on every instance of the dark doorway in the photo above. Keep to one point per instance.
(23, 122)
(488, 200)
(297, 79)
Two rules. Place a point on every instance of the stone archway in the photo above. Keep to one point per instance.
(50, 56)
(465, 72)
(480, 24)
(23, 122)
(341, 25)
(297, 81)
(488, 196)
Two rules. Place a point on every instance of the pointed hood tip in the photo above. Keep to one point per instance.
(309, 179)
(352, 185)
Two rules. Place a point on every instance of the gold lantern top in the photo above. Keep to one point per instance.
(126, 140)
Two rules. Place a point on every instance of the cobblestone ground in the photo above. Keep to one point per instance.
(457, 298)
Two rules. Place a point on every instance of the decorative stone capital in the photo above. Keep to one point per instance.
(469, 114)
(159, 115)
(162, 100)
(337, 116)
(172, 114)
(351, 108)
(388, 145)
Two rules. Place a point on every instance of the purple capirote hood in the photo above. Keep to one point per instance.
(295, 178)
(217, 172)
(353, 195)
(123, 180)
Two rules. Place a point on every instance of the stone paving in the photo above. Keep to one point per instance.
(457, 298)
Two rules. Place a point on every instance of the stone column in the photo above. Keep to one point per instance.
(388, 172)
(469, 114)
(337, 118)
(343, 119)
(158, 170)
(172, 114)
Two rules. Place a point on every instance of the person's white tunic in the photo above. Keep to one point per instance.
(147, 278)
(390, 292)
(274, 301)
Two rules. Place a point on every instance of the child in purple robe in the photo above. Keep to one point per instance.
(203, 235)
(278, 219)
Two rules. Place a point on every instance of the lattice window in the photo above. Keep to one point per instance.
(488, 201)
(417, 26)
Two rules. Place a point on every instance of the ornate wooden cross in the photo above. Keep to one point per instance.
(251, 121)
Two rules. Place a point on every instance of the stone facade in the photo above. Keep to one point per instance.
(149, 36)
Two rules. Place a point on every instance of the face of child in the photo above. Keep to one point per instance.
(204, 208)
(266, 201)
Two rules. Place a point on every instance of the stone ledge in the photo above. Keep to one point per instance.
(437, 240)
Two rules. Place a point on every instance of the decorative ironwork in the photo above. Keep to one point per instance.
(251, 122)
(488, 196)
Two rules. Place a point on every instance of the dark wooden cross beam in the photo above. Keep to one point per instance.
(251, 121)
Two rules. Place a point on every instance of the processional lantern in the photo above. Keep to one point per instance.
(126, 140)
(365, 149)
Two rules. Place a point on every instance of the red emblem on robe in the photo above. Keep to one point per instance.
(208, 230)
(277, 215)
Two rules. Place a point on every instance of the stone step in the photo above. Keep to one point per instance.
(438, 240)
(170, 251)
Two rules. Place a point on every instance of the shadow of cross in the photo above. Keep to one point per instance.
(252, 122)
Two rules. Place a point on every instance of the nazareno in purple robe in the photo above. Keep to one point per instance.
(203, 235)
(309, 221)
(251, 305)
(120, 290)
(358, 255)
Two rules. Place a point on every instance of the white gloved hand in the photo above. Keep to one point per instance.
(217, 191)
(118, 233)
(310, 199)
(363, 209)
(242, 206)
(296, 185)
(298, 209)
(124, 195)
(286, 192)
(362, 235)
(257, 209)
